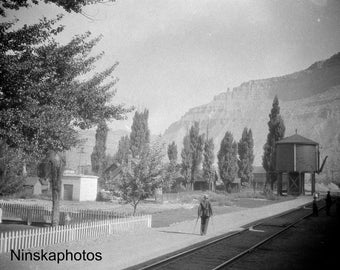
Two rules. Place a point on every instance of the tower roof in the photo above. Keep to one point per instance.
(296, 139)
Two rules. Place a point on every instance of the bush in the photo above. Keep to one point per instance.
(104, 196)
(269, 194)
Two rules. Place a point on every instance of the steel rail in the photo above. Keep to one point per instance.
(262, 242)
(186, 252)
(219, 239)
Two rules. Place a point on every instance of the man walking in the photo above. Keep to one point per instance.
(204, 212)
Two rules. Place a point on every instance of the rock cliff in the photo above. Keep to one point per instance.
(309, 101)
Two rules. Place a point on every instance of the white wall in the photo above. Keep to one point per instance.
(88, 188)
(84, 187)
(37, 188)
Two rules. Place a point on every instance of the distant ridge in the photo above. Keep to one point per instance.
(309, 101)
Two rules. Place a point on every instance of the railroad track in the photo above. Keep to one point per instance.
(221, 251)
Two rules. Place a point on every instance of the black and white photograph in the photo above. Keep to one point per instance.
(169, 134)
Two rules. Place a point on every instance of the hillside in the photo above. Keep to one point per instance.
(309, 101)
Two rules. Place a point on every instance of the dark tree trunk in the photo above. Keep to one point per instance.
(56, 167)
(134, 208)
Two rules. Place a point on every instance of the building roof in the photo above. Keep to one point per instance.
(296, 139)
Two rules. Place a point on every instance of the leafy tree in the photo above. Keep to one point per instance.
(196, 149)
(172, 152)
(227, 160)
(246, 156)
(104, 180)
(208, 161)
(74, 5)
(171, 168)
(186, 160)
(251, 156)
(123, 150)
(140, 133)
(47, 92)
(11, 178)
(141, 175)
(155, 157)
(98, 154)
(276, 132)
(191, 154)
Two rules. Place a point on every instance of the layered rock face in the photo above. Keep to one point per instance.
(309, 101)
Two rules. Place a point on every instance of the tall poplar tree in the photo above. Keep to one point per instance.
(98, 154)
(122, 153)
(140, 133)
(186, 161)
(172, 152)
(208, 161)
(251, 155)
(171, 167)
(276, 132)
(246, 156)
(227, 160)
(196, 149)
(142, 175)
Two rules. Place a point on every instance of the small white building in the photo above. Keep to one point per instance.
(79, 187)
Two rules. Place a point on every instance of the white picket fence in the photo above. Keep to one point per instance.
(61, 234)
(36, 213)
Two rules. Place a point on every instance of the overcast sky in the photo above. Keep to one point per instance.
(175, 55)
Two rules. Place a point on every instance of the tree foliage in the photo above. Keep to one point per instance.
(48, 91)
(142, 175)
(142, 169)
(276, 132)
(11, 178)
(186, 160)
(122, 153)
(227, 160)
(171, 169)
(196, 148)
(172, 152)
(246, 156)
(68, 5)
(98, 154)
(43, 102)
(208, 161)
(191, 154)
(140, 133)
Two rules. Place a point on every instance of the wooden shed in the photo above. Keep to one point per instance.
(295, 156)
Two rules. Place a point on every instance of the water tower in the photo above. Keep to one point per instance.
(295, 156)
